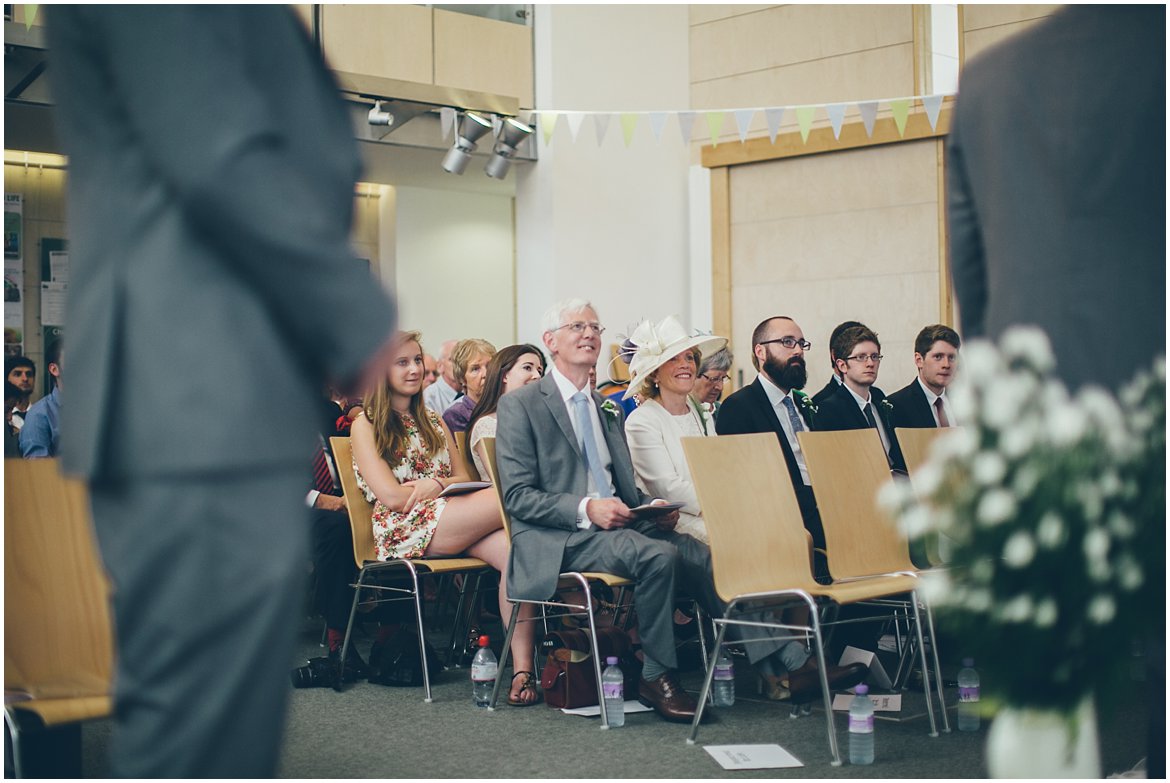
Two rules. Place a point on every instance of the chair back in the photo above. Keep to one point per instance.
(58, 639)
(489, 445)
(361, 511)
(757, 536)
(847, 469)
(916, 443)
(464, 456)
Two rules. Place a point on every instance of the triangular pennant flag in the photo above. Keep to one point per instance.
(30, 15)
(901, 110)
(629, 125)
(868, 115)
(774, 116)
(836, 114)
(804, 117)
(657, 123)
(743, 118)
(686, 124)
(446, 121)
(933, 104)
(548, 124)
(714, 125)
(601, 125)
(574, 119)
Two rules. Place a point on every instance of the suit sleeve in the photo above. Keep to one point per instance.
(653, 465)
(192, 103)
(517, 453)
(731, 419)
(968, 263)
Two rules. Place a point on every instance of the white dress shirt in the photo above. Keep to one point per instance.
(877, 416)
(567, 390)
(931, 397)
(776, 396)
(439, 396)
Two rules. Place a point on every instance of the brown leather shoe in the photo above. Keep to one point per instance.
(805, 682)
(668, 698)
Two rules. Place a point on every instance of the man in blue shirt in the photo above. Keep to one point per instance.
(38, 436)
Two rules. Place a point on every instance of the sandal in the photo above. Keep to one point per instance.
(527, 685)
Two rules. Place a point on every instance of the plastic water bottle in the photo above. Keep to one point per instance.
(861, 727)
(613, 684)
(723, 688)
(483, 673)
(968, 696)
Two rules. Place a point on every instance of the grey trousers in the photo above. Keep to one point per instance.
(208, 573)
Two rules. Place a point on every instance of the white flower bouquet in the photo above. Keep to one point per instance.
(1056, 509)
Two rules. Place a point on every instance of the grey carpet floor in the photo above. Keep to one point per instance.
(383, 732)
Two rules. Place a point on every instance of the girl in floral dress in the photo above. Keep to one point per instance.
(402, 463)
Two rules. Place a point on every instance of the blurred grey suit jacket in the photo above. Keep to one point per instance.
(544, 478)
(1056, 189)
(213, 291)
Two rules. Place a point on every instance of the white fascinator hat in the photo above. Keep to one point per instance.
(654, 344)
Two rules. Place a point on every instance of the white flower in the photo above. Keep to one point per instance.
(1028, 344)
(962, 397)
(1017, 610)
(1019, 549)
(894, 496)
(1007, 399)
(1026, 480)
(1092, 501)
(1096, 544)
(982, 571)
(1017, 441)
(1050, 530)
(1099, 570)
(1102, 609)
(960, 442)
(981, 361)
(1129, 573)
(1053, 396)
(979, 600)
(935, 587)
(915, 521)
(928, 478)
(1121, 525)
(1046, 613)
(996, 507)
(988, 468)
(1066, 424)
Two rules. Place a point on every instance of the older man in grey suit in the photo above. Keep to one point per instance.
(211, 175)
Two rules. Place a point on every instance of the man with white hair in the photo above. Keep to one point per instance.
(440, 394)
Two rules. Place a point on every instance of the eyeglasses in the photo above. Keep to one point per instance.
(788, 342)
(717, 380)
(579, 327)
(863, 357)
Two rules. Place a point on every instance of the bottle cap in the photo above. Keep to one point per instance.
(611, 660)
(863, 689)
(484, 641)
(968, 662)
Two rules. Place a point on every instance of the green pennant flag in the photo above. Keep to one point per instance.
(629, 124)
(548, 123)
(714, 125)
(901, 110)
(804, 116)
(30, 15)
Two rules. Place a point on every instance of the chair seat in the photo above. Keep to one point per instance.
(435, 565)
(56, 712)
(610, 580)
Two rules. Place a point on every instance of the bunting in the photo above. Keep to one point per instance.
(629, 125)
(868, 116)
(714, 125)
(601, 125)
(836, 114)
(686, 124)
(804, 118)
(743, 119)
(657, 123)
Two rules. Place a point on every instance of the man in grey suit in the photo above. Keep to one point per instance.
(1056, 189)
(211, 175)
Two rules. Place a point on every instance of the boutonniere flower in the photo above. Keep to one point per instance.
(705, 410)
(612, 410)
(805, 402)
(887, 407)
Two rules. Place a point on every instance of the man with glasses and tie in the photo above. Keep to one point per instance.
(858, 404)
(923, 402)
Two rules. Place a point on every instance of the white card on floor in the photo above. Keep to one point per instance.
(594, 711)
(882, 702)
(752, 756)
(877, 674)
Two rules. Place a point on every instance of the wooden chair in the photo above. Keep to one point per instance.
(465, 456)
(848, 468)
(916, 444)
(759, 550)
(569, 579)
(366, 558)
(58, 637)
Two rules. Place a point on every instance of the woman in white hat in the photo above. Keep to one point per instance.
(663, 370)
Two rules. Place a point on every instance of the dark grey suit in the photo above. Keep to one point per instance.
(211, 173)
(1056, 189)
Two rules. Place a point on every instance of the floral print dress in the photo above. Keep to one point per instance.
(407, 535)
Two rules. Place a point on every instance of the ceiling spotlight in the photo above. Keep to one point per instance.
(470, 128)
(379, 117)
(512, 135)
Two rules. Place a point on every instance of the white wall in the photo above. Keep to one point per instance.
(454, 261)
(609, 224)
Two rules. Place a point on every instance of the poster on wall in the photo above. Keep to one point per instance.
(13, 274)
(48, 335)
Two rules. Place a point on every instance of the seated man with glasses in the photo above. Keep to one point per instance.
(858, 404)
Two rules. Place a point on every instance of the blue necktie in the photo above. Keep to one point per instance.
(589, 445)
(793, 416)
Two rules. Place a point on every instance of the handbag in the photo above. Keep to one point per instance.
(568, 679)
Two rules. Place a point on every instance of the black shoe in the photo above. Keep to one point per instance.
(355, 668)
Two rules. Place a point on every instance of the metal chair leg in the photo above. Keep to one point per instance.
(357, 594)
(925, 667)
(706, 690)
(504, 654)
(596, 651)
(937, 668)
(823, 670)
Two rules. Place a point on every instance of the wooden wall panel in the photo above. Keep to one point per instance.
(701, 14)
(390, 41)
(484, 55)
(986, 25)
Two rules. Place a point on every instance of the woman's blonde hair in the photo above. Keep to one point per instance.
(389, 428)
(462, 354)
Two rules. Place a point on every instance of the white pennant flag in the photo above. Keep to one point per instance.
(686, 122)
(868, 115)
(447, 121)
(574, 119)
(774, 116)
(836, 114)
(601, 125)
(933, 104)
(743, 118)
(657, 123)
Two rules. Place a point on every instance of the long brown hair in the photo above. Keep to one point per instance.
(493, 388)
(389, 428)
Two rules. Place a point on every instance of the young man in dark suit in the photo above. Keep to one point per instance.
(858, 404)
(834, 383)
(923, 402)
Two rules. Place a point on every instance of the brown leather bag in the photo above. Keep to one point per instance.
(568, 679)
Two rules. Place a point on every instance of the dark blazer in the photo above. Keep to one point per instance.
(841, 412)
(828, 391)
(544, 478)
(1057, 205)
(911, 408)
(208, 245)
